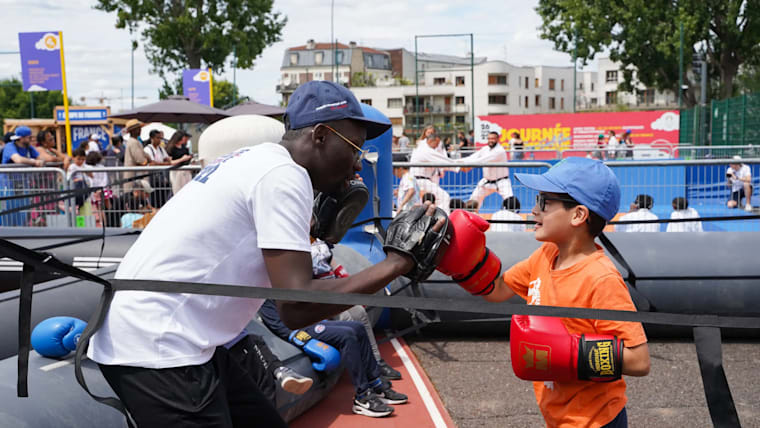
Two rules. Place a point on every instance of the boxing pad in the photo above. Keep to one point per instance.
(324, 357)
(543, 350)
(467, 259)
(411, 233)
(334, 214)
(57, 336)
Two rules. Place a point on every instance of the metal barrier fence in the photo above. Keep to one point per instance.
(17, 181)
(718, 152)
(640, 152)
(702, 182)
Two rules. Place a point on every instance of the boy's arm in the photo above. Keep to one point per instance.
(407, 197)
(636, 360)
(501, 292)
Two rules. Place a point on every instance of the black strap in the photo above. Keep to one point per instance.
(717, 392)
(630, 276)
(24, 328)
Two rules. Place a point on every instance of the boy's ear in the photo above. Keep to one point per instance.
(581, 215)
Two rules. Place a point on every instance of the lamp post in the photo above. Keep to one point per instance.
(134, 47)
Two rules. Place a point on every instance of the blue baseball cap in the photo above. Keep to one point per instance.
(23, 131)
(322, 101)
(588, 181)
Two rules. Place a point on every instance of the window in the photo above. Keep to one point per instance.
(645, 97)
(552, 103)
(611, 76)
(594, 101)
(527, 82)
(562, 85)
(580, 86)
(459, 119)
(538, 101)
(339, 57)
(551, 84)
(397, 120)
(293, 59)
(561, 103)
(497, 99)
(394, 103)
(367, 101)
(536, 82)
(369, 61)
(318, 75)
(526, 100)
(592, 86)
(439, 81)
(460, 80)
(459, 100)
(497, 79)
(610, 97)
(318, 57)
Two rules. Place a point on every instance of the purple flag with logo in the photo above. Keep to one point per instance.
(41, 61)
(196, 85)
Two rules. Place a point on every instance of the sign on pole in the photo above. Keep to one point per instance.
(41, 61)
(197, 84)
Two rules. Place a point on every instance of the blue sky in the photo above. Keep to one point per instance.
(98, 54)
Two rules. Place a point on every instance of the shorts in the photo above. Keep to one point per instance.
(738, 195)
(219, 394)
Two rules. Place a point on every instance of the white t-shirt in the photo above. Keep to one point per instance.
(507, 227)
(403, 143)
(255, 198)
(743, 172)
(156, 154)
(640, 214)
(408, 182)
(73, 168)
(695, 226)
(92, 146)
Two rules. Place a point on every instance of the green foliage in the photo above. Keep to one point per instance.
(403, 82)
(226, 94)
(180, 34)
(16, 104)
(645, 34)
(361, 79)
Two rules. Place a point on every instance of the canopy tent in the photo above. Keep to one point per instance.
(252, 107)
(175, 109)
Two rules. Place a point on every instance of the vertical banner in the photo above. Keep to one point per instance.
(41, 61)
(196, 85)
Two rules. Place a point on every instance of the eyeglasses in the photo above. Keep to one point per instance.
(359, 154)
(541, 201)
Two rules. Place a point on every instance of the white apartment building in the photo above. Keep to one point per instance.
(599, 90)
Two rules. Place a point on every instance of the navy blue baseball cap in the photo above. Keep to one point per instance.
(588, 181)
(322, 101)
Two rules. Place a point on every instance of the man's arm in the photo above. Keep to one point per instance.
(17, 158)
(636, 360)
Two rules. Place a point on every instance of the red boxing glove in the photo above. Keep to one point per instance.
(340, 272)
(467, 260)
(542, 349)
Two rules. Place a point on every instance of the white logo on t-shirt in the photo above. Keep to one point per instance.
(534, 292)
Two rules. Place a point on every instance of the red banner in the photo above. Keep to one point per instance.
(655, 130)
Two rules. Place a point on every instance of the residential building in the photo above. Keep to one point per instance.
(600, 90)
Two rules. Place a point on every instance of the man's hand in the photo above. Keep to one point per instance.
(421, 234)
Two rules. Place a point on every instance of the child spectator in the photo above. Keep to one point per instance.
(510, 207)
(681, 210)
(640, 211)
(408, 190)
(77, 175)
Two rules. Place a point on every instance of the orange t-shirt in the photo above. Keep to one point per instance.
(593, 282)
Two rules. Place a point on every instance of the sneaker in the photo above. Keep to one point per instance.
(369, 404)
(748, 208)
(291, 381)
(387, 372)
(388, 395)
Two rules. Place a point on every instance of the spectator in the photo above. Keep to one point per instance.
(115, 151)
(372, 393)
(471, 206)
(428, 177)
(156, 153)
(612, 143)
(93, 143)
(739, 177)
(600, 152)
(18, 151)
(101, 198)
(471, 139)
(394, 144)
(134, 155)
(159, 180)
(179, 153)
(47, 150)
(428, 197)
(78, 176)
(461, 139)
(681, 210)
(495, 179)
(628, 143)
(456, 204)
(408, 193)
(516, 146)
(403, 142)
(137, 200)
(510, 207)
(639, 210)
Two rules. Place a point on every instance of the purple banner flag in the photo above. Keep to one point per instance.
(196, 85)
(41, 61)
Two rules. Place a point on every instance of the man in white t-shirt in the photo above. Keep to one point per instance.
(93, 144)
(681, 210)
(739, 177)
(495, 179)
(162, 353)
(640, 210)
(510, 207)
(612, 143)
(403, 142)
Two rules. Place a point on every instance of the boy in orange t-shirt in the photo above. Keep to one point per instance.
(577, 364)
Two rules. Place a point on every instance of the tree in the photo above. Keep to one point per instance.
(643, 35)
(180, 34)
(225, 93)
(361, 79)
(16, 104)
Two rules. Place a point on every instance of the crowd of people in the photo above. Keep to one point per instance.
(117, 207)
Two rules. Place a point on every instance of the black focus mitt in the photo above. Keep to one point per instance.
(411, 232)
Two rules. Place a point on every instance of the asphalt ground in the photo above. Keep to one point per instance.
(474, 378)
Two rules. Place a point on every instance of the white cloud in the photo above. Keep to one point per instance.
(36, 88)
(668, 122)
(201, 76)
(48, 42)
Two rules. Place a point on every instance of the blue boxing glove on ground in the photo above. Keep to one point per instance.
(57, 336)
(324, 357)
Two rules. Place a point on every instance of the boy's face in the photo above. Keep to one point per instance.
(79, 160)
(554, 223)
(399, 172)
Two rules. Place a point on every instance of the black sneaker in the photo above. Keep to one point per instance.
(388, 395)
(387, 372)
(369, 404)
(291, 381)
